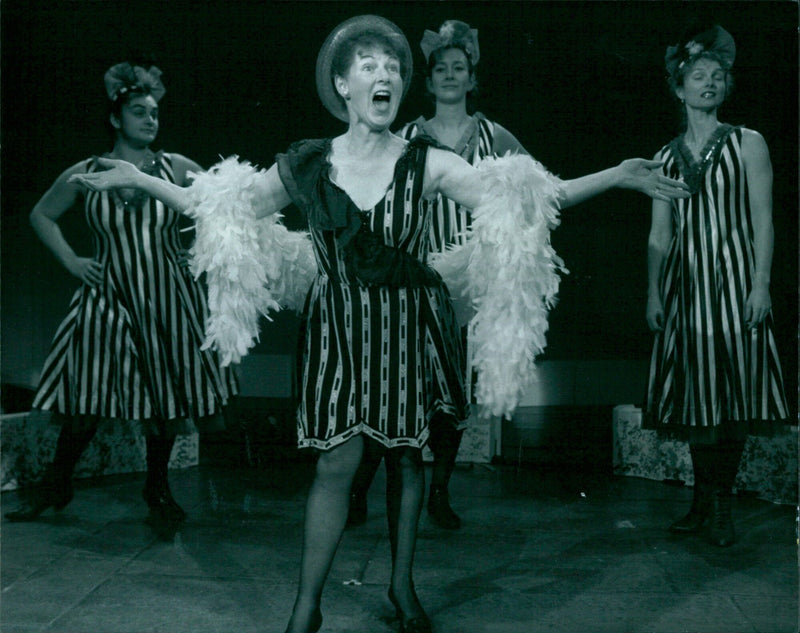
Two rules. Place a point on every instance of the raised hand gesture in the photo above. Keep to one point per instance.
(118, 174)
(644, 175)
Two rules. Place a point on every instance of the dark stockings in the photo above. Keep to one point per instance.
(405, 484)
(55, 489)
(72, 442)
(326, 513)
(727, 457)
(156, 493)
(444, 441)
(715, 467)
(371, 459)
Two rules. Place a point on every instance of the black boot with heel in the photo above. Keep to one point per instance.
(700, 510)
(439, 509)
(55, 489)
(157, 495)
(54, 492)
(727, 457)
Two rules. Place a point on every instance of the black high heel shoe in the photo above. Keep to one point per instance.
(46, 496)
(420, 624)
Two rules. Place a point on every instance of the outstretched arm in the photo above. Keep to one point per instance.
(272, 195)
(453, 177)
(635, 173)
(182, 167)
(759, 179)
(61, 196)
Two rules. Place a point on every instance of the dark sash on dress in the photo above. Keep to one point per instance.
(305, 173)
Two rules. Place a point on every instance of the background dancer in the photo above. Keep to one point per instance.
(130, 346)
(715, 375)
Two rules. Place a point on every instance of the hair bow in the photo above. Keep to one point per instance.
(715, 40)
(452, 32)
(123, 77)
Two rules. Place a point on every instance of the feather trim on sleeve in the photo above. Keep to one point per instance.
(511, 279)
(252, 266)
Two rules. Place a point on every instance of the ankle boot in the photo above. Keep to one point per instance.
(439, 508)
(156, 493)
(721, 532)
(698, 513)
(53, 492)
(162, 504)
(55, 489)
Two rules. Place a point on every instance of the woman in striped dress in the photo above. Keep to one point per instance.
(452, 55)
(130, 346)
(714, 373)
(382, 350)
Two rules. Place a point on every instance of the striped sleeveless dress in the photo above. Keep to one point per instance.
(380, 356)
(130, 348)
(450, 222)
(707, 367)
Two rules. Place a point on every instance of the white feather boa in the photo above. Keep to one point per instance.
(252, 266)
(511, 279)
(505, 278)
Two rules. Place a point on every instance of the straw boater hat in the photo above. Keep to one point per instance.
(344, 32)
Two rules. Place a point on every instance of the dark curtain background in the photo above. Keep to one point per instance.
(581, 84)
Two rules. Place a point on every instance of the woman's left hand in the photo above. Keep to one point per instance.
(645, 176)
(757, 306)
(119, 174)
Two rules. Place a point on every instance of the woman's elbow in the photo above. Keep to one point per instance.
(36, 216)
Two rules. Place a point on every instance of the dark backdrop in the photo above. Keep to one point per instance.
(581, 84)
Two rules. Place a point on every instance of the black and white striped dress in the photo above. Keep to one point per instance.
(707, 367)
(450, 222)
(130, 348)
(378, 358)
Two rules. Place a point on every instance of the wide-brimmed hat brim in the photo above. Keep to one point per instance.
(344, 32)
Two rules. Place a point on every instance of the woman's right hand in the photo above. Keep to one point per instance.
(119, 174)
(655, 312)
(88, 270)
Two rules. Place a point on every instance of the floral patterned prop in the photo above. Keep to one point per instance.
(29, 442)
(769, 466)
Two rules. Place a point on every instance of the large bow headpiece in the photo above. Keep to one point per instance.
(715, 40)
(124, 77)
(452, 32)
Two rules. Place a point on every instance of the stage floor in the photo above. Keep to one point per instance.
(561, 552)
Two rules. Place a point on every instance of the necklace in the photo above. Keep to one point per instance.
(692, 168)
(698, 148)
(133, 198)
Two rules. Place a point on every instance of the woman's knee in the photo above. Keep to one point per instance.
(408, 459)
(341, 461)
